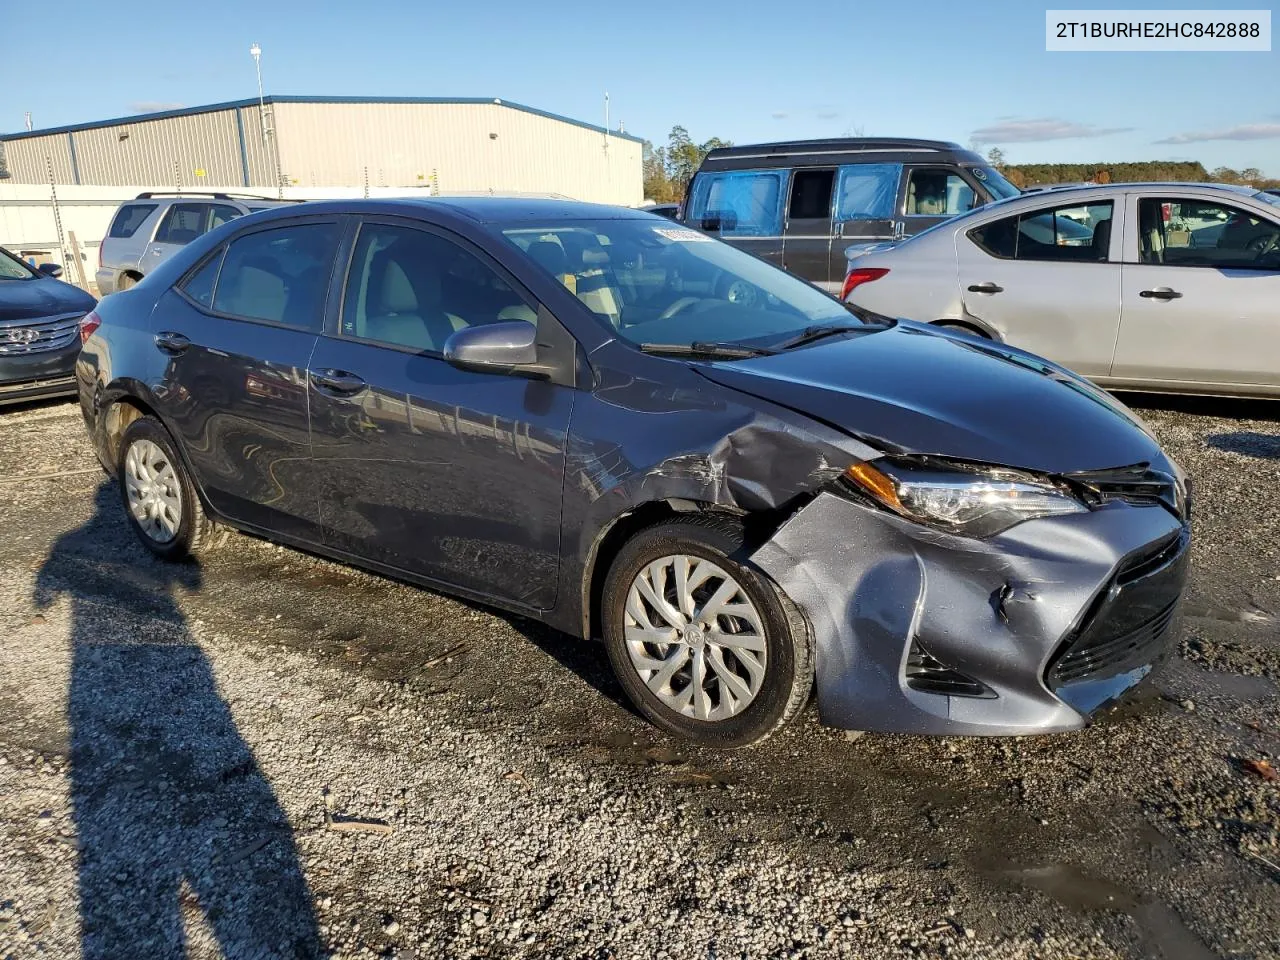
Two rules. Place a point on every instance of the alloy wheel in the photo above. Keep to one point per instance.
(694, 637)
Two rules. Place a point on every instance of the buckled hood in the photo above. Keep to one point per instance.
(915, 389)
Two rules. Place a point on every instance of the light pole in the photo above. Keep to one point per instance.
(255, 51)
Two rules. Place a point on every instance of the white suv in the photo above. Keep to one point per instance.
(148, 229)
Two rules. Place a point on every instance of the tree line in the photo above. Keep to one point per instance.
(1162, 171)
(668, 169)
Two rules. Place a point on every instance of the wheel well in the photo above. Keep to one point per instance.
(964, 325)
(758, 528)
(116, 420)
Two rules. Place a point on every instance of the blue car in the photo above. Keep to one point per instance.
(621, 427)
(39, 330)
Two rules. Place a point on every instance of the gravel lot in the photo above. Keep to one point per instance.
(276, 756)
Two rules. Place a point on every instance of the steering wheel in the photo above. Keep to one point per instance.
(742, 293)
(680, 306)
(1263, 245)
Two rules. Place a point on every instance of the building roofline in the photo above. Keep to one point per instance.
(253, 102)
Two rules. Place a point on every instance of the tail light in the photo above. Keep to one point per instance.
(89, 323)
(858, 276)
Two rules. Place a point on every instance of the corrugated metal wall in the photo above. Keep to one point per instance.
(28, 160)
(465, 146)
(192, 150)
(468, 147)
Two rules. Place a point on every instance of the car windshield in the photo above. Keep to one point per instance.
(656, 282)
(994, 181)
(11, 268)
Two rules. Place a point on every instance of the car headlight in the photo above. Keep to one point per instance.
(968, 499)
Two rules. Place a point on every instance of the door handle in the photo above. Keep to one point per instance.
(1160, 293)
(156, 252)
(987, 287)
(337, 381)
(171, 342)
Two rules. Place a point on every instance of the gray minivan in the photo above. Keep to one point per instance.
(802, 204)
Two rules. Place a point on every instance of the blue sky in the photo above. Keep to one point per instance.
(744, 71)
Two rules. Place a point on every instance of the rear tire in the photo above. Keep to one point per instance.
(158, 496)
(705, 646)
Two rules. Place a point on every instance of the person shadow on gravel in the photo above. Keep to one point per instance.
(176, 824)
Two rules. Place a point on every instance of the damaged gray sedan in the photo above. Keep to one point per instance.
(604, 421)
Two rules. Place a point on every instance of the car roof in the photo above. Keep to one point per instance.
(818, 152)
(1086, 192)
(488, 210)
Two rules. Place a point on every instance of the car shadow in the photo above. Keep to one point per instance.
(587, 658)
(1264, 446)
(177, 826)
(1227, 408)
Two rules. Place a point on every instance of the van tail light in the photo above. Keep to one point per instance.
(858, 276)
(89, 323)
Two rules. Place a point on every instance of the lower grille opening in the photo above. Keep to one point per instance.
(928, 674)
(1105, 653)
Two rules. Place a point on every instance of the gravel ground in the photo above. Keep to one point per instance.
(276, 756)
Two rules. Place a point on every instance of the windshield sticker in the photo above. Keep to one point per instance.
(682, 235)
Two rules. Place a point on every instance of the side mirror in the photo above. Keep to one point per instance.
(50, 269)
(493, 347)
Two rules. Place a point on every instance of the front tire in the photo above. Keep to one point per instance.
(705, 645)
(159, 498)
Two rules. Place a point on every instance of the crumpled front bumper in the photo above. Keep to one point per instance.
(920, 631)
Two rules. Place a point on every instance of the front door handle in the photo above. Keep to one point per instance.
(987, 287)
(171, 342)
(337, 381)
(1160, 293)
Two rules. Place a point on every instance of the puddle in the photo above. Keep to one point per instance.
(1166, 936)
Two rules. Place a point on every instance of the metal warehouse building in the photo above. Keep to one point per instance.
(446, 145)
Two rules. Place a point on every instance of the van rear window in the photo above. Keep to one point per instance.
(129, 218)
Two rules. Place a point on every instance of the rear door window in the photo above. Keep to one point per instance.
(743, 203)
(129, 218)
(220, 213)
(1076, 233)
(199, 284)
(183, 223)
(280, 276)
(867, 191)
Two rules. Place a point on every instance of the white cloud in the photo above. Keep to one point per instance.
(154, 106)
(1031, 131)
(1246, 131)
(779, 115)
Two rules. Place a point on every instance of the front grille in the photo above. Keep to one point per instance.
(40, 335)
(1101, 652)
(928, 674)
(1137, 484)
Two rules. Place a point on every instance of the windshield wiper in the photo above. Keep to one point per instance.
(811, 334)
(707, 348)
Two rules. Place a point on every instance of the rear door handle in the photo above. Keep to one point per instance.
(171, 342)
(1160, 293)
(987, 287)
(337, 381)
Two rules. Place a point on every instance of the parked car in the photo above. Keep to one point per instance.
(1178, 288)
(668, 210)
(801, 204)
(613, 424)
(154, 225)
(39, 330)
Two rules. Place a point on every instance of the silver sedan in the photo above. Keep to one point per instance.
(1159, 286)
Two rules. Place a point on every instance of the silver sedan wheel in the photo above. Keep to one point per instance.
(694, 637)
(153, 489)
